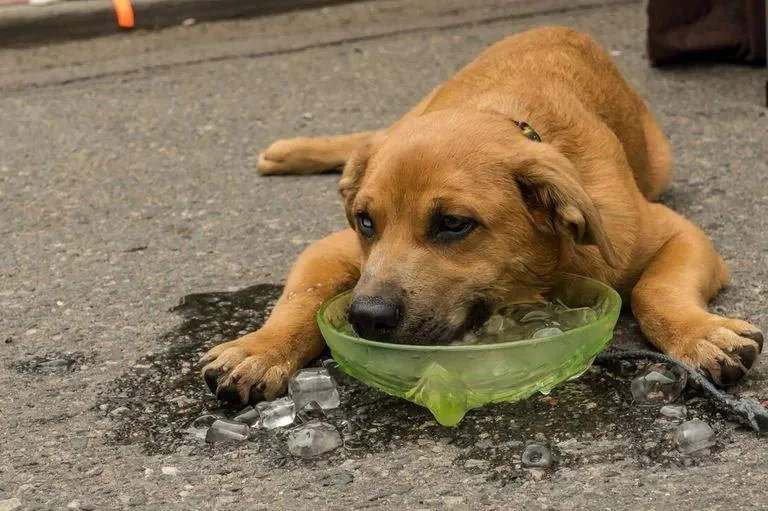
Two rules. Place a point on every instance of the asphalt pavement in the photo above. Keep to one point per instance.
(127, 182)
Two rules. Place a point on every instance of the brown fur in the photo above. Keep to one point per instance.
(579, 202)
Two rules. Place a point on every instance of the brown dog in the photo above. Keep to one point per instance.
(534, 160)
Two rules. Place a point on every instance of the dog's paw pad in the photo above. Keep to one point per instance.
(246, 371)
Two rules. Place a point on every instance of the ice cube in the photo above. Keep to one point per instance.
(674, 411)
(199, 427)
(311, 411)
(546, 332)
(248, 415)
(204, 421)
(658, 384)
(277, 413)
(313, 384)
(224, 430)
(694, 437)
(499, 328)
(532, 320)
(537, 455)
(517, 311)
(494, 325)
(574, 318)
(313, 439)
(660, 378)
(536, 316)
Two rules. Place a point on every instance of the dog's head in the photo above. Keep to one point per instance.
(457, 213)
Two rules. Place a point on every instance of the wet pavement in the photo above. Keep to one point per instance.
(127, 182)
(157, 402)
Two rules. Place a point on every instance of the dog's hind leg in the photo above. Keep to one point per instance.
(658, 173)
(324, 154)
(670, 303)
(311, 155)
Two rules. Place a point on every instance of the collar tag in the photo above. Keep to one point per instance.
(528, 132)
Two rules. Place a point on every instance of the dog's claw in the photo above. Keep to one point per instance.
(725, 350)
(229, 395)
(246, 370)
(755, 335)
(212, 378)
(257, 393)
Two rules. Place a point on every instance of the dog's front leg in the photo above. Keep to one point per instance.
(258, 365)
(670, 302)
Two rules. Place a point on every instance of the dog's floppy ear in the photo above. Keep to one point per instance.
(354, 172)
(560, 205)
(352, 177)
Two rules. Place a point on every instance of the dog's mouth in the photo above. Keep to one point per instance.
(477, 315)
(434, 331)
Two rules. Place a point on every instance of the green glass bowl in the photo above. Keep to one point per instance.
(451, 380)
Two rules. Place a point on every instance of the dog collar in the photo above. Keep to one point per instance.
(528, 132)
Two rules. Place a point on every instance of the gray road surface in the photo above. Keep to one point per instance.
(127, 182)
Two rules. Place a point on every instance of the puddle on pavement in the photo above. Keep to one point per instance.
(163, 392)
(589, 420)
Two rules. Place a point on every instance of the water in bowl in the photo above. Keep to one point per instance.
(530, 321)
(523, 321)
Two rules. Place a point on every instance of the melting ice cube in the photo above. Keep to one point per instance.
(313, 384)
(694, 437)
(311, 411)
(658, 384)
(248, 415)
(277, 413)
(313, 439)
(223, 430)
(546, 332)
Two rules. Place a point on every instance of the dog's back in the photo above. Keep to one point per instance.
(561, 80)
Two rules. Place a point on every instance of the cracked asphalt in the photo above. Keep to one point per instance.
(127, 182)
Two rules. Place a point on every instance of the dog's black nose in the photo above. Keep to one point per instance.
(374, 317)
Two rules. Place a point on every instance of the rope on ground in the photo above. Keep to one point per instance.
(746, 410)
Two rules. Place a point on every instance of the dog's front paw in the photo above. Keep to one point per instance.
(247, 370)
(725, 348)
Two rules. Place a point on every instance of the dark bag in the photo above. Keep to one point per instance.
(732, 30)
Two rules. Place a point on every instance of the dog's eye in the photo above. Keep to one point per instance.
(455, 223)
(447, 228)
(365, 225)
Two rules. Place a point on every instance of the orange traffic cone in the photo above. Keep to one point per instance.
(124, 13)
